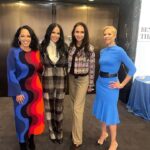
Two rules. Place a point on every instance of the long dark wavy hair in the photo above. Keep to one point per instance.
(34, 45)
(85, 42)
(60, 45)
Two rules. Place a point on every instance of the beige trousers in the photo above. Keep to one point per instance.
(77, 91)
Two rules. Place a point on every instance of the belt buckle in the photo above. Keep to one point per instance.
(109, 75)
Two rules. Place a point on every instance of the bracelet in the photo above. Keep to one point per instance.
(121, 85)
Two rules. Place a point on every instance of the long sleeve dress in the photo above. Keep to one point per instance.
(22, 73)
(105, 104)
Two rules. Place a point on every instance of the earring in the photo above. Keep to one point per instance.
(19, 42)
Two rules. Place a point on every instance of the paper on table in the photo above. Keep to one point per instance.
(147, 82)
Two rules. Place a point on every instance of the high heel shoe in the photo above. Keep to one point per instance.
(23, 146)
(52, 138)
(59, 141)
(113, 146)
(101, 140)
(31, 143)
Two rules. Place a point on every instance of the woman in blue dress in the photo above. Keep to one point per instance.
(107, 85)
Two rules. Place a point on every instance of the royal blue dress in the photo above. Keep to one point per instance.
(105, 103)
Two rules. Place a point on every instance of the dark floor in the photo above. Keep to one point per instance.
(133, 132)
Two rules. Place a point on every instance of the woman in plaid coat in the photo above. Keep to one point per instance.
(54, 56)
(81, 68)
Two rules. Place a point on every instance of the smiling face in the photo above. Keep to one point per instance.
(109, 36)
(79, 34)
(24, 38)
(55, 35)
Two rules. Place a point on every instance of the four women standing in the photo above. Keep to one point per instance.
(24, 66)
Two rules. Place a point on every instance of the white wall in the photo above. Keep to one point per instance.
(142, 59)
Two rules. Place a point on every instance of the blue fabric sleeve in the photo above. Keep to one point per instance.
(128, 63)
(13, 84)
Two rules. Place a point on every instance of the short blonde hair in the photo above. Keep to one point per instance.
(112, 28)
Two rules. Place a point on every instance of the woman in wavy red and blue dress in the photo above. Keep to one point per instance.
(24, 85)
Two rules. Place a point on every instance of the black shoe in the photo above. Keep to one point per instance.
(23, 146)
(76, 146)
(53, 140)
(31, 143)
(59, 141)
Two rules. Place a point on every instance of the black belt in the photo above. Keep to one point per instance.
(79, 75)
(55, 65)
(107, 75)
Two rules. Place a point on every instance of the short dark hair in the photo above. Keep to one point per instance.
(85, 42)
(60, 44)
(34, 45)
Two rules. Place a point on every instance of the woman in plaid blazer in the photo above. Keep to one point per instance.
(54, 56)
(81, 68)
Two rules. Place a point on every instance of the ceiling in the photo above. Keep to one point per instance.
(70, 1)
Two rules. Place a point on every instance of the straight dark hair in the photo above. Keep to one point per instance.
(60, 45)
(34, 45)
(85, 42)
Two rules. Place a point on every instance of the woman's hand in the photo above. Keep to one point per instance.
(20, 98)
(116, 85)
(90, 89)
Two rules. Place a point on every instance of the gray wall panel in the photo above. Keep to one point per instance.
(96, 17)
(40, 15)
(13, 15)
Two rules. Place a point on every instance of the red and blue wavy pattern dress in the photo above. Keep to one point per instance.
(23, 78)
